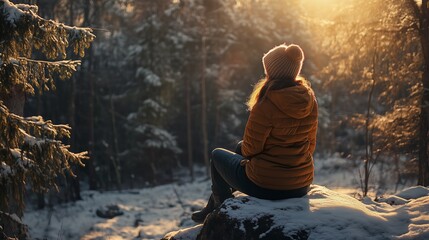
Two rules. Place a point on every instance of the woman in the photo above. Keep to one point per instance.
(275, 158)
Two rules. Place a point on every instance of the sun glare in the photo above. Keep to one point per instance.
(323, 8)
(320, 2)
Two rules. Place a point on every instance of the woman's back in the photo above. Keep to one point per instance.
(288, 118)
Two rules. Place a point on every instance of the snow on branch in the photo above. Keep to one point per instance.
(157, 138)
(49, 36)
(148, 77)
(31, 151)
(21, 32)
(32, 74)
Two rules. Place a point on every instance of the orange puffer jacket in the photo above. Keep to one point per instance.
(280, 138)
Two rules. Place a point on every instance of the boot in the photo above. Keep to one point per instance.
(218, 200)
(214, 202)
(201, 215)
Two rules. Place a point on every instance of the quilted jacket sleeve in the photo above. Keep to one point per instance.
(257, 130)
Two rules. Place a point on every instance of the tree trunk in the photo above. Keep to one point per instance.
(15, 101)
(204, 106)
(368, 143)
(189, 126)
(115, 161)
(153, 166)
(369, 150)
(47, 8)
(423, 178)
(11, 228)
(398, 172)
(90, 162)
(74, 189)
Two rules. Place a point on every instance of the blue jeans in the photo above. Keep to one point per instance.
(228, 174)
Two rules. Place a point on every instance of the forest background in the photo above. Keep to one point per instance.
(166, 81)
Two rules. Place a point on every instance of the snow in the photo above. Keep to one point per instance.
(169, 11)
(154, 106)
(15, 218)
(25, 162)
(157, 138)
(33, 141)
(328, 214)
(149, 77)
(393, 200)
(161, 209)
(5, 170)
(180, 39)
(12, 12)
(413, 192)
(335, 172)
(132, 116)
(135, 50)
(30, 140)
(27, 7)
(150, 213)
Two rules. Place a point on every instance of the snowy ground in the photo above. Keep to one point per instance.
(150, 213)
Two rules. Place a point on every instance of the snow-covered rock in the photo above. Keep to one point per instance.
(405, 195)
(393, 200)
(413, 192)
(109, 211)
(322, 214)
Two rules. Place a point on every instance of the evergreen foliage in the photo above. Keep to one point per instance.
(22, 32)
(31, 148)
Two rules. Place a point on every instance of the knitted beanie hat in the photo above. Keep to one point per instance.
(283, 61)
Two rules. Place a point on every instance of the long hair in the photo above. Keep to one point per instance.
(266, 84)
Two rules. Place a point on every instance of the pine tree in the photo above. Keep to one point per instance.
(152, 146)
(31, 148)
